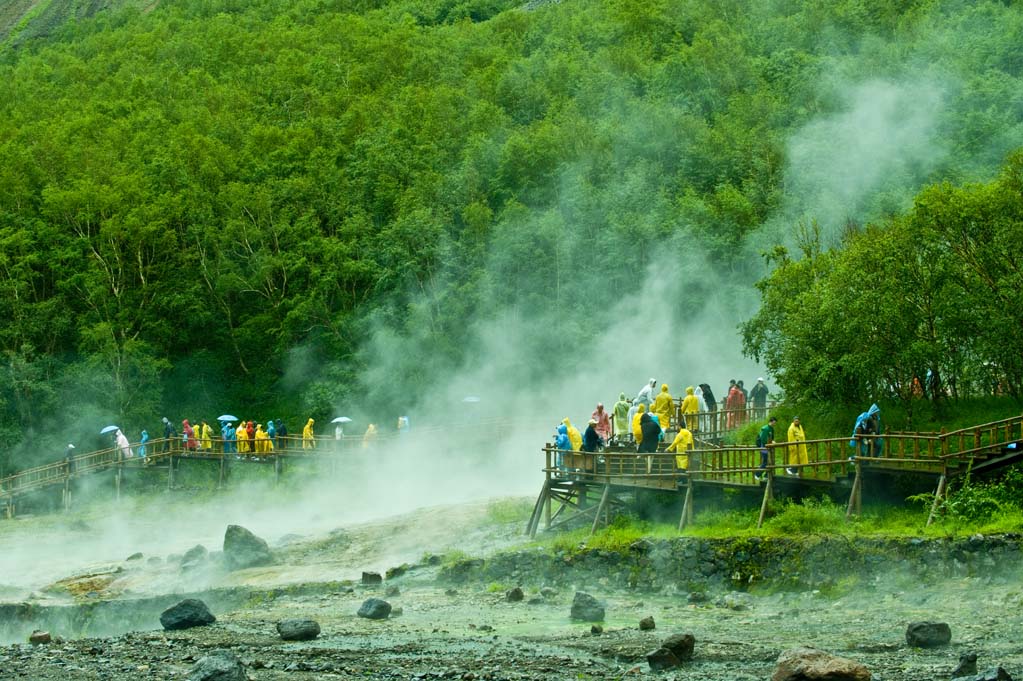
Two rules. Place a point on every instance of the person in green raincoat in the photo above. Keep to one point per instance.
(621, 417)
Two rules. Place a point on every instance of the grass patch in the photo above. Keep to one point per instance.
(514, 510)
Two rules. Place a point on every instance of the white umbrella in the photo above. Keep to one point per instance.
(342, 419)
(227, 417)
(471, 398)
(109, 429)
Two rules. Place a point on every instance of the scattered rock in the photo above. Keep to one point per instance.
(514, 595)
(810, 664)
(372, 578)
(735, 601)
(698, 597)
(38, 637)
(195, 554)
(967, 665)
(596, 630)
(662, 658)
(647, 624)
(450, 592)
(681, 645)
(219, 665)
(587, 608)
(189, 613)
(548, 593)
(397, 610)
(242, 549)
(396, 571)
(375, 609)
(928, 634)
(135, 556)
(392, 591)
(298, 630)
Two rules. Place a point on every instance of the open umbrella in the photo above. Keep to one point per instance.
(471, 398)
(227, 417)
(109, 429)
(342, 419)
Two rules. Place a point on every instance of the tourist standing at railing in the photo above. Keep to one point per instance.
(711, 407)
(188, 436)
(690, 408)
(621, 415)
(631, 422)
(592, 442)
(650, 434)
(603, 420)
(574, 436)
(868, 426)
(169, 434)
(271, 432)
(122, 444)
(263, 444)
(308, 437)
(282, 433)
(797, 447)
(743, 415)
(206, 436)
(663, 406)
(250, 433)
(69, 458)
(241, 439)
(369, 436)
(142, 444)
(681, 445)
(759, 398)
(562, 443)
(637, 424)
(735, 403)
(227, 433)
(646, 393)
(765, 439)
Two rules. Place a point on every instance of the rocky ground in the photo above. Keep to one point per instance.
(469, 629)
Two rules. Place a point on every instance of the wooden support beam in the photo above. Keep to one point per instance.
(223, 472)
(277, 469)
(938, 496)
(534, 518)
(855, 506)
(170, 472)
(768, 496)
(117, 482)
(687, 508)
(600, 507)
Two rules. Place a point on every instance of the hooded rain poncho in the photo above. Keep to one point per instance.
(663, 406)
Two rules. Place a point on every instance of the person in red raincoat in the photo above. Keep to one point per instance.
(190, 440)
(603, 419)
(735, 403)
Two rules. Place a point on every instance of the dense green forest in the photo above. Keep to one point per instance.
(294, 205)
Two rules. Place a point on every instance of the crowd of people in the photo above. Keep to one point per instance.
(644, 420)
(240, 438)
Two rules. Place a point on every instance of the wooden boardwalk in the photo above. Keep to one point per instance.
(589, 487)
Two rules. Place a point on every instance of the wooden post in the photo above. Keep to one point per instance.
(223, 463)
(547, 499)
(67, 493)
(600, 507)
(854, 496)
(687, 508)
(938, 495)
(117, 481)
(277, 469)
(534, 518)
(768, 493)
(170, 472)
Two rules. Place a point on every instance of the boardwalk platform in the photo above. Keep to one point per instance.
(583, 487)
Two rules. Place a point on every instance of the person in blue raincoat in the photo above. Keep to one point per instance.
(271, 430)
(142, 444)
(229, 438)
(561, 442)
(868, 426)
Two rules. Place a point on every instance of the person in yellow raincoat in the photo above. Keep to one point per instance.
(574, 436)
(690, 408)
(308, 438)
(797, 448)
(683, 442)
(263, 443)
(637, 429)
(369, 435)
(206, 437)
(241, 439)
(664, 405)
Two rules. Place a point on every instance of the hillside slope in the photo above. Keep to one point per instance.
(22, 20)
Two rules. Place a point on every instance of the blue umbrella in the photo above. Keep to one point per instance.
(109, 429)
(227, 417)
